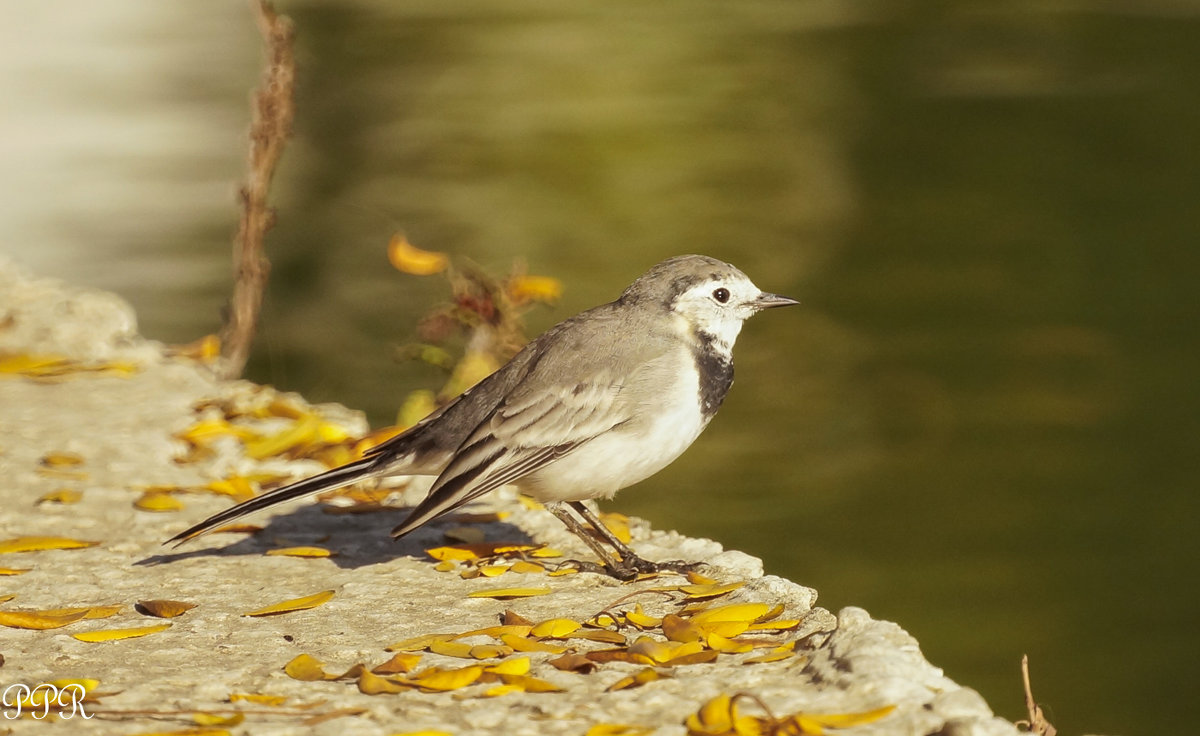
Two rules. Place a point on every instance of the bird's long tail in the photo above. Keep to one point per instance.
(327, 481)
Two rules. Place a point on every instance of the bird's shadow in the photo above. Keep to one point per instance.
(354, 540)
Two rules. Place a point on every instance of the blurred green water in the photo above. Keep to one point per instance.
(981, 423)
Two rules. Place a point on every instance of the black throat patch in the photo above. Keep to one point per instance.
(716, 372)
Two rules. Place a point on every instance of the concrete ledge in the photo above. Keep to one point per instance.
(123, 428)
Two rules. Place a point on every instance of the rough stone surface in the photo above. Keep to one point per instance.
(123, 428)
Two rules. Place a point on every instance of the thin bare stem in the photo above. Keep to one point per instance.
(270, 128)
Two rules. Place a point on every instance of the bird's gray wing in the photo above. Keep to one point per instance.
(574, 393)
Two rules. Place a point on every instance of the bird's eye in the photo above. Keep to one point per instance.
(721, 295)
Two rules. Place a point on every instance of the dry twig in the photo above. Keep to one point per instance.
(1037, 722)
(269, 130)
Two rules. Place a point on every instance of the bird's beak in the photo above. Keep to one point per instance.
(770, 301)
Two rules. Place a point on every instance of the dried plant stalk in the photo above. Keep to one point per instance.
(270, 128)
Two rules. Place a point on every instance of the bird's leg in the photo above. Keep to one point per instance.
(620, 570)
(629, 558)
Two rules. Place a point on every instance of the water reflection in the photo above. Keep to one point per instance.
(981, 421)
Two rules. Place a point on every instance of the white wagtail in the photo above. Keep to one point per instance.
(596, 403)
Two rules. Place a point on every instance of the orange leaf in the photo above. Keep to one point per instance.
(164, 608)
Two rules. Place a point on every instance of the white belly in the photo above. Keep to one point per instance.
(622, 457)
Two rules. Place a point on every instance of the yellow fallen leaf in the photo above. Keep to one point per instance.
(423, 733)
(573, 663)
(88, 611)
(372, 684)
(703, 656)
(677, 628)
(506, 593)
(514, 666)
(300, 552)
(525, 567)
(446, 554)
(490, 651)
(62, 495)
(697, 592)
(61, 460)
(302, 432)
(443, 680)
(512, 618)
(238, 487)
(718, 643)
(164, 608)
(723, 628)
(257, 698)
(32, 544)
(87, 683)
(497, 631)
(618, 524)
(154, 501)
(618, 729)
(5, 598)
(637, 679)
(450, 648)
(24, 364)
(660, 652)
(38, 620)
(491, 571)
(207, 430)
(116, 634)
(498, 690)
(746, 612)
(782, 624)
(418, 643)
(601, 635)
(306, 668)
(638, 618)
(775, 655)
(13, 571)
(194, 731)
(556, 628)
(530, 684)
(215, 719)
(408, 258)
(522, 644)
(400, 663)
(715, 718)
(294, 604)
(838, 720)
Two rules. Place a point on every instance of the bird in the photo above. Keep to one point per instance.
(596, 403)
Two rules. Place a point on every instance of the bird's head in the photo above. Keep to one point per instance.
(711, 296)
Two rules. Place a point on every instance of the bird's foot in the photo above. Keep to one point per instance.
(633, 566)
(677, 566)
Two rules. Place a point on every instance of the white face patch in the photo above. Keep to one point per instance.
(718, 307)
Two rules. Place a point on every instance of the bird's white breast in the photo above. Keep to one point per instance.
(668, 420)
